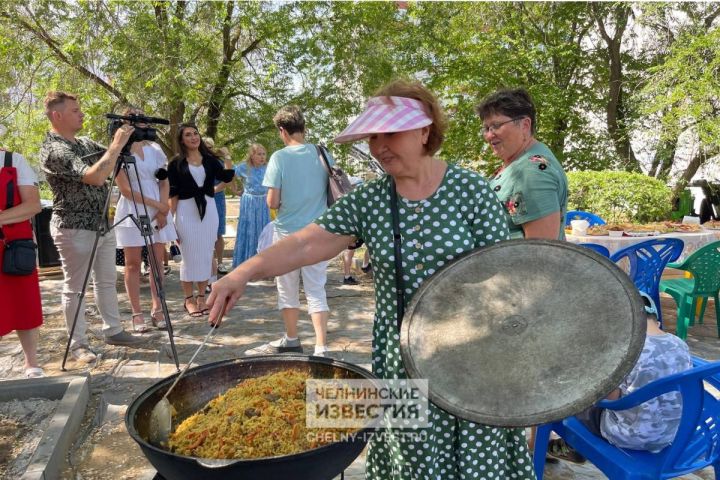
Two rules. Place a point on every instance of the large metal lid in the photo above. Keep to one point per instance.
(523, 332)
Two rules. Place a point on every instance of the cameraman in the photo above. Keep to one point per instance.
(76, 170)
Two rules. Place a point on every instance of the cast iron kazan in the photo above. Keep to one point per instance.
(202, 384)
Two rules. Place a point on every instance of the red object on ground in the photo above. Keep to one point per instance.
(20, 307)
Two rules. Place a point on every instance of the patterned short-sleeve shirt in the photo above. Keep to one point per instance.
(76, 205)
(651, 425)
(532, 187)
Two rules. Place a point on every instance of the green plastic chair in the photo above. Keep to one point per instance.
(704, 265)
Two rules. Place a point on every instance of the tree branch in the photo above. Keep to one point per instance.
(42, 35)
(711, 18)
(240, 93)
(250, 48)
(250, 134)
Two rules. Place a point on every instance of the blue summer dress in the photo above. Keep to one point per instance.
(254, 213)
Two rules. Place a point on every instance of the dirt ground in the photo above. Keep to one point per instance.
(22, 425)
(103, 449)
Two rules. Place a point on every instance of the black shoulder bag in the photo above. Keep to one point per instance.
(19, 257)
(397, 244)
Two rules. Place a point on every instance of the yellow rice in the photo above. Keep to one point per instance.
(260, 417)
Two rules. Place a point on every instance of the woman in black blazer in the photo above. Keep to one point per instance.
(192, 174)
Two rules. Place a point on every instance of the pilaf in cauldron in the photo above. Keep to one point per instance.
(260, 417)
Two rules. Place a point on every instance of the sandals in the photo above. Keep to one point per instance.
(160, 324)
(203, 311)
(559, 449)
(194, 314)
(139, 327)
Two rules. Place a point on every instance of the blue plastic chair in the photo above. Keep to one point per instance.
(647, 260)
(699, 362)
(580, 215)
(696, 444)
(601, 249)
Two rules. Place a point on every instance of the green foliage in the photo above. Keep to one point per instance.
(45, 192)
(684, 88)
(619, 196)
(229, 65)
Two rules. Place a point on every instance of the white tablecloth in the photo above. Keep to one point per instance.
(692, 241)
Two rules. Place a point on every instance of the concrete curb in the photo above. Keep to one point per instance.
(73, 393)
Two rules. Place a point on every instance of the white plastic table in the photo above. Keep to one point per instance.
(692, 241)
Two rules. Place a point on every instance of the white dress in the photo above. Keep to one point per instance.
(127, 233)
(197, 237)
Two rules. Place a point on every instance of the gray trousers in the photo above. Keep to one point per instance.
(74, 247)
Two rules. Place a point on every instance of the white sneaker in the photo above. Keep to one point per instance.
(282, 345)
(83, 354)
(321, 351)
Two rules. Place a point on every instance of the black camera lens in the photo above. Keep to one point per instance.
(140, 133)
(143, 133)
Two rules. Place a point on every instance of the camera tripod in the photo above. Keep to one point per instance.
(143, 223)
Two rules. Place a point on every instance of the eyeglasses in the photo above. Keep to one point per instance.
(496, 126)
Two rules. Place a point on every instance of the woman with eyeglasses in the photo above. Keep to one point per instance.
(531, 184)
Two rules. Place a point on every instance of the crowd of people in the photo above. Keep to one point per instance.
(441, 211)
(183, 201)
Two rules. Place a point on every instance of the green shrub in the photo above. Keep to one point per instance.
(45, 192)
(619, 196)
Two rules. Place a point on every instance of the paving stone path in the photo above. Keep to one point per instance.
(103, 450)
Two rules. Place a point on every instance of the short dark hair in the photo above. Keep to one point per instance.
(509, 102)
(290, 118)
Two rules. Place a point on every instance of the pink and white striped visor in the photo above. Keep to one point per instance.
(386, 115)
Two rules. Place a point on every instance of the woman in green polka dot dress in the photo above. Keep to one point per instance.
(444, 211)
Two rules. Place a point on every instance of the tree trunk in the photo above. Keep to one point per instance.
(216, 100)
(615, 109)
(663, 158)
(689, 173)
(557, 145)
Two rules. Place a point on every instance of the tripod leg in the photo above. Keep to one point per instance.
(157, 282)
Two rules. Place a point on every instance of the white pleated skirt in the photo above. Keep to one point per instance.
(196, 239)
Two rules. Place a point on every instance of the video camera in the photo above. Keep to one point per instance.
(141, 132)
